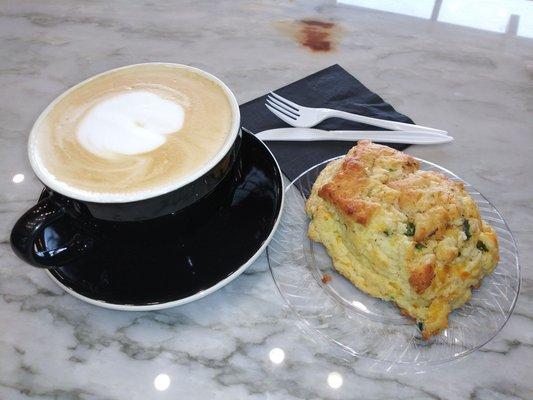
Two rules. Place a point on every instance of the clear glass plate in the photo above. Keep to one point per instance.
(373, 329)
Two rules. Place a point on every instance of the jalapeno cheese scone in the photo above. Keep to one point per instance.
(404, 235)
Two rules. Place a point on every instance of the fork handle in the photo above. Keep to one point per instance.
(383, 123)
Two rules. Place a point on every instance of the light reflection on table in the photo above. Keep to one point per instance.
(513, 17)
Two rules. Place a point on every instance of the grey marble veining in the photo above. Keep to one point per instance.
(476, 83)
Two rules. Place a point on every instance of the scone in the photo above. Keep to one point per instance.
(404, 235)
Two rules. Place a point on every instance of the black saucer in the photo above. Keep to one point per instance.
(174, 263)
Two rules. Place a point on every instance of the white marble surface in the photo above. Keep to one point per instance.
(475, 83)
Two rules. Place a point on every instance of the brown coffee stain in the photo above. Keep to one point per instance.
(315, 35)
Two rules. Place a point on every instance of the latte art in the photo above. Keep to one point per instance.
(133, 130)
(129, 123)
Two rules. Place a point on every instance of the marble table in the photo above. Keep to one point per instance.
(464, 68)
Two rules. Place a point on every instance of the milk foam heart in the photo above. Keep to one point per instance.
(129, 123)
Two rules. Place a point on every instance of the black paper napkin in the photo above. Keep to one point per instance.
(332, 87)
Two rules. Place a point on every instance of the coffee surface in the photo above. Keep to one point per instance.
(134, 130)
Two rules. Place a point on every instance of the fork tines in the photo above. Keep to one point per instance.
(282, 107)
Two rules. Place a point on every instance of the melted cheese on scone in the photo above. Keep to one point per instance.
(404, 235)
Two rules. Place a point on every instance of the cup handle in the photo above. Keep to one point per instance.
(28, 230)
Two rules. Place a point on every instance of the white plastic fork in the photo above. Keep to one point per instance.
(306, 117)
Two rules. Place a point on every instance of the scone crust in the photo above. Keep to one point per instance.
(404, 235)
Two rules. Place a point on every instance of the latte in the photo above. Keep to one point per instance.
(132, 130)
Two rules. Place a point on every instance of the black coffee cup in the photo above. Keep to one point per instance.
(197, 195)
